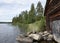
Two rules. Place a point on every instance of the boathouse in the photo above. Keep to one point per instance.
(52, 12)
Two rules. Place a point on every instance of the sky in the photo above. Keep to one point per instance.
(11, 8)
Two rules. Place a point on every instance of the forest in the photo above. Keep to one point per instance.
(32, 20)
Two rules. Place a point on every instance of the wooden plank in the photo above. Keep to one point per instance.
(52, 12)
(55, 15)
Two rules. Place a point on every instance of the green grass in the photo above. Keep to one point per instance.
(37, 26)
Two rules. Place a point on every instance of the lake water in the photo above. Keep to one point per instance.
(8, 33)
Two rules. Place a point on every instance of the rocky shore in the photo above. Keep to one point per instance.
(36, 37)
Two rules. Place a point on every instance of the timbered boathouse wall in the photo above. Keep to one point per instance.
(52, 12)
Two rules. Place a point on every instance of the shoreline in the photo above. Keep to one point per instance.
(36, 37)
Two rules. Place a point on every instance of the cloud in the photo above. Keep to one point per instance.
(6, 1)
(11, 8)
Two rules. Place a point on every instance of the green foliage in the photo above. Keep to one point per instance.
(35, 14)
(15, 20)
(32, 14)
(30, 18)
(26, 17)
(38, 25)
(39, 9)
(42, 24)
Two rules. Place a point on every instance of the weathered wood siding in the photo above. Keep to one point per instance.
(52, 12)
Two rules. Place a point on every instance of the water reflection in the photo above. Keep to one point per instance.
(8, 33)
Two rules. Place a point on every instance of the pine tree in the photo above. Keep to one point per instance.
(26, 17)
(15, 20)
(39, 9)
(20, 18)
(32, 14)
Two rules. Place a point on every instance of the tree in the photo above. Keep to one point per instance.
(15, 20)
(32, 14)
(39, 9)
(20, 18)
(25, 17)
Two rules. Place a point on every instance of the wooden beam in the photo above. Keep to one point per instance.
(50, 1)
(53, 16)
(52, 9)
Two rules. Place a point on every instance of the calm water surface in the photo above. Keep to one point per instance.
(8, 33)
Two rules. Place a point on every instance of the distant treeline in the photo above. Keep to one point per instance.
(31, 16)
(5, 22)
